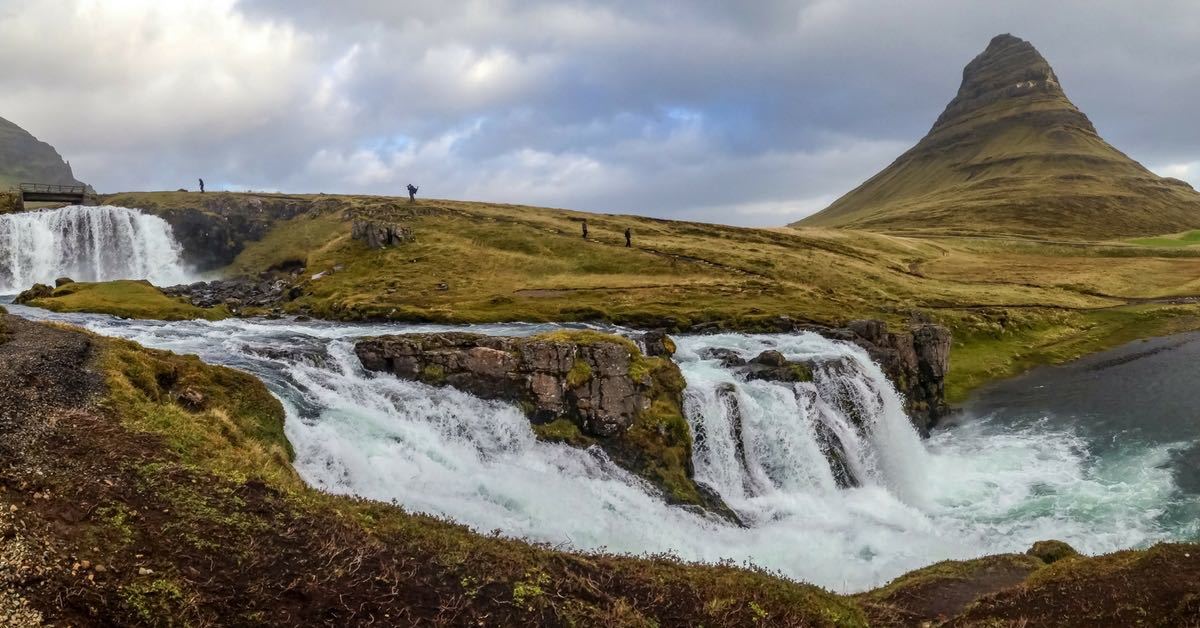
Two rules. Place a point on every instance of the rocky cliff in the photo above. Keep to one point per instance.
(1011, 153)
(916, 360)
(24, 158)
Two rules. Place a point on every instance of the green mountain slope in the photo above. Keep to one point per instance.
(24, 158)
(1011, 154)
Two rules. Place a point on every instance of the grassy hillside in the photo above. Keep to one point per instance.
(23, 158)
(1011, 302)
(1011, 154)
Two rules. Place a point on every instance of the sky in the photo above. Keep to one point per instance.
(746, 113)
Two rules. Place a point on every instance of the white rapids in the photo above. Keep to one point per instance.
(977, 489)
(87, 244)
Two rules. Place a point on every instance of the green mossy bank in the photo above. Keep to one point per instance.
(123, 298)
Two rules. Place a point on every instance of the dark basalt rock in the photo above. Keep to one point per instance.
(38, 291)
(772, 366)
(728, 357)
(916, 361)
(236, 293)
(657, 344)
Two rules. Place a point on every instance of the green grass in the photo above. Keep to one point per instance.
(126, 299)
(1187, 238)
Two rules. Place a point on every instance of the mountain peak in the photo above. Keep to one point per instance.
(1010, 70)
(1012, 154)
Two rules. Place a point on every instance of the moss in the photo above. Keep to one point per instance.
(801, 372)
(562, 430)
(952, 570)
(1051, 551)
(126, 299)
(433, 374)
(658, 445)
(528, 592)
(156, 602)
(238, 428)
(580, 373)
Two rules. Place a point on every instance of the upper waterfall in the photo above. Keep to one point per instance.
(87, 244)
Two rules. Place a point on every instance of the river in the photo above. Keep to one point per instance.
(1095, 453)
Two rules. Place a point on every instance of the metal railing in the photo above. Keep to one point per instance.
(47, 188)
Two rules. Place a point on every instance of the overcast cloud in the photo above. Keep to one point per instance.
(751, 113)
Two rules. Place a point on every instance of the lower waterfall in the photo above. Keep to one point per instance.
(901, 503)
(87, 244)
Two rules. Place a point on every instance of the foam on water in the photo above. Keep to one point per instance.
(87, 244)
(979, 488)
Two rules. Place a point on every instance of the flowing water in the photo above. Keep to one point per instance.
(994, 483)
(87, 244)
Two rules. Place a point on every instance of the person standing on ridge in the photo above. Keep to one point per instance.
(412, 192)
(585, 228)
(628, 237)
(202, 186)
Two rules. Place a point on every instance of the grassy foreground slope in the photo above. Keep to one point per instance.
(1011, 302)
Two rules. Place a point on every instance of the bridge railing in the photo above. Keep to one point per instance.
(48, 188)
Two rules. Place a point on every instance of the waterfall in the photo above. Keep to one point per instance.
(87, 244)
(757, 439)
(830, 478)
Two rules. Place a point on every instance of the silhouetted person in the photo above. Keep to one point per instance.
(628, 237)
(202, 186)
(584, 229)
(412, 192)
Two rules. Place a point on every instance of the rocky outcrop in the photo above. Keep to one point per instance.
(380, 235)
(38, 291)
(215, 232)
(236, 293)
(591, 383)
(915, 360)
(581, 388)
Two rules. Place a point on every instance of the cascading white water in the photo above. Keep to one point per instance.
(87, 244)
(759, 438)
(977, 489)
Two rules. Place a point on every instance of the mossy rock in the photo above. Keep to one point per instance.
(1051, 551)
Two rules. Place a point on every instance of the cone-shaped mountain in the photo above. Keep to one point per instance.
(1011, 154)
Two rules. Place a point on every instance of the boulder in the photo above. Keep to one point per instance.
(237, 293)
(727, 357)
(772, 366)
(62, 281)
(380, 235)
(657, 344)
(38, 291)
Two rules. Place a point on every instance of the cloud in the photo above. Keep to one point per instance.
(746, 113)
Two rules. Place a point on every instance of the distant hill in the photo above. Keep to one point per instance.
(1011, 154)
(24, 158)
